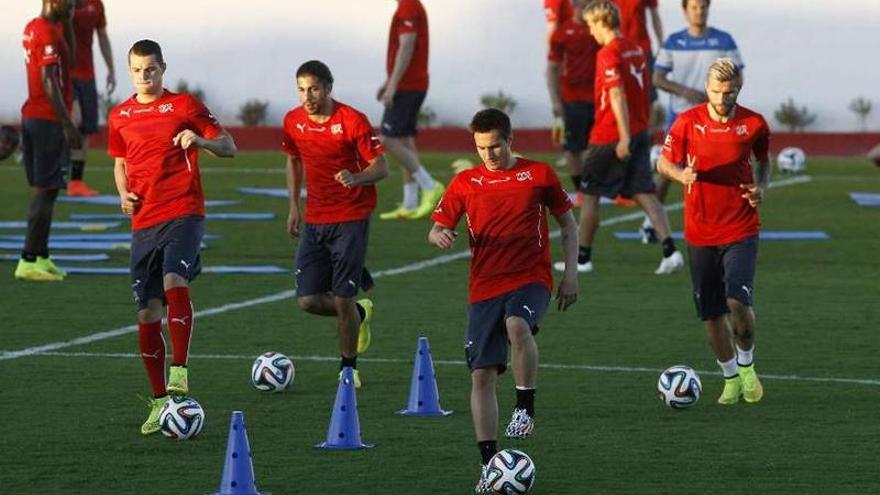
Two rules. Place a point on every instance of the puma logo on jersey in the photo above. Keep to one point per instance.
(639, 74)
(747, 290)
(701, 128)
(478, 181)
(301, 127)
(125, 113)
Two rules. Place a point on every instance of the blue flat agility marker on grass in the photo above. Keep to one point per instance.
(113, 200)
(220, 270)
(769, 235)
(246, 217)
(87, 237)
(264, 191)
(66, 225)
(78, 246)
(84, 258)
(866, 200)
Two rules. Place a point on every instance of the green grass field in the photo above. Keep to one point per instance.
(73, 416)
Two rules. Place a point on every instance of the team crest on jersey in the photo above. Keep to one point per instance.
(742, 130)
(49, 50)
(336, 129)
(524, 175)
(166, 107)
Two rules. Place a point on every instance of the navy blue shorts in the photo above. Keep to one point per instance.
(330, 259)
(86, 95)
(401, 118)
(722, 272)
(45, 154)
(578, 116)
(485, 342)
(169, 247)
(605, 175)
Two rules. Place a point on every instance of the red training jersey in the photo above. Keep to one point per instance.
(620, 63)
(44, 45)
(164, 176)
(572, 46)
(88, 17)
(633, 22)
(714, 211)
(346, 141)
(558, 11)
(507, 223)
(410, 17)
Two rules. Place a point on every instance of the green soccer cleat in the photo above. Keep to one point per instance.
(399, 213)
(31, 270)
(732, 391)
(356, 375)
(178, 383)
(429, 201)
(752, 389)
(151, 425)
(48, 265)
(364, 334)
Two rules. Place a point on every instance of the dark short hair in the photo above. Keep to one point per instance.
(145, 48)
(684, 3)
(317, 69)
(492, 119)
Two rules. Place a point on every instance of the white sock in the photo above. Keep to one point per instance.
(646, 224)
(744, 358)
(424, 179)
(729, 368)
(410, 195)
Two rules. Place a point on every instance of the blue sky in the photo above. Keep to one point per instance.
(822, 54)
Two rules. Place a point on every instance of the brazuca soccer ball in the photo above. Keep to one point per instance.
(791, 160)
(181, 418)
(272, 372)
(511, 472)
(679, 387)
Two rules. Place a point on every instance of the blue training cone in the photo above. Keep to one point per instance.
(238, 471)
(344, 432)
(424, 400)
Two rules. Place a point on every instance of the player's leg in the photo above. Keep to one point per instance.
(484, 413)
(578, 117)
(85, 114)
(739, 260)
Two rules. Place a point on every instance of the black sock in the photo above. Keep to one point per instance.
(488, 449)
(30, 257)
(525, 399)
(668, 247)
(576, 180)
(361, 311)
(585, 254)
(348, 362)
(40, 222)
(76, 169)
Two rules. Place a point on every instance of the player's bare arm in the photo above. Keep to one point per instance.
(685, 175)
(107, 53)
(128, 201)
(376, 171)
(442, 237)
(294, 189)
(566, 294)
(621, 115)
(50, 77)
(221, 146)
(754, 193)
(657, 24)
(661, 81)
(552, 75)
(401, 63)
(66, 19)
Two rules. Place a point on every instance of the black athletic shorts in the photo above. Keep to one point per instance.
(45, 153)
(578, 116)
(330, 258)
(86, 96)
(605, 175)
(485, 342)
(401, 118)
(169, 247)
(722, 272)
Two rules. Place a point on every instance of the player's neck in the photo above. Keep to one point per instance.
(324, 113)
(698, 31)
(147, 98)
(717, 117)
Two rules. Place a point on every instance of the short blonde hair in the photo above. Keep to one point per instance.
(605, 12)
(724, 70)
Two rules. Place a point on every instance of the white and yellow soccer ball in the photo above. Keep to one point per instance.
(181, 418)
(511, 472)
(272, 372)
(791, 160)
(679, 387)
(459, 165)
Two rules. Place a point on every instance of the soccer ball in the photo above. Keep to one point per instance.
(511, 472)
(679, 387)
(461, 164)
(791, 160)
(272, 372)
(181, 418)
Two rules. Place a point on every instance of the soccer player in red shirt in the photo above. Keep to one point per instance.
(155, 137)
(571, 72)
(337, 149)
(709, 150)
(556, 12)
(505, 200)
(618, 155)
(403, 93)
(88, 19)
(47, 130)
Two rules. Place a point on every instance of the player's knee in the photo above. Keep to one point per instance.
(151, 313)
(172, 280)
(737, 308)
(308, 304)
(518, 331)
(484, 378)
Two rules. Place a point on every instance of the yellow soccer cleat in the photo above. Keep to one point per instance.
(151, 425)
(429, 201)
(752, 390)
(399, 213)
(48, 265)
(364, 333)
(178, 381)
(356, 375)
(732, 391)
(31, 270)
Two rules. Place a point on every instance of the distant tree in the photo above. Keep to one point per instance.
(862, 107)
(794, 117)
(105, 104)
(253, 113)
(427, 117)
(197, 91)
(499, 100)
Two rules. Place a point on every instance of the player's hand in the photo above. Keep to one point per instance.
(754, 194)
(557, 131)
(187, 138)
(688, 175)
(387, 95)
(622, 149)
(72, 136)
(294, 220)
(381, 91)
(694, 96)
(346, 178)
(443, 238)
(129, 202)
(558, 109)
(111, 83)
(566, 294)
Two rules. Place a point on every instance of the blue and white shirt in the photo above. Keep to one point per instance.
(686, 60)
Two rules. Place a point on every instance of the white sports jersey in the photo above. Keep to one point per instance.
(687, 59)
